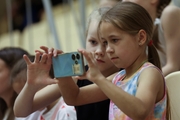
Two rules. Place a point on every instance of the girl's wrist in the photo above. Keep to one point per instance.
(99, 78)
(31, 87)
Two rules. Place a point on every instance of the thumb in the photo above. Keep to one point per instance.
(52, 81)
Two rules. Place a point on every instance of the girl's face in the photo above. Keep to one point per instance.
(93, 44)
(4, 78)
(121, 47)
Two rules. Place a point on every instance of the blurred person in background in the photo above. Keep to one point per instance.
(8, 58)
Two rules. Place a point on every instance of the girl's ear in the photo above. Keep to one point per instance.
(142, 37)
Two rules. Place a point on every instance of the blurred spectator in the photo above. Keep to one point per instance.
(19, 13)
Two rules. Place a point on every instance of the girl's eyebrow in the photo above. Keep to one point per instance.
(103, 39)
(112, 36)
(93, 38)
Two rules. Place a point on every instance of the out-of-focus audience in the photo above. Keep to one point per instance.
(8, 58)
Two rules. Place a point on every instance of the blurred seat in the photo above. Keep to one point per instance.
(173, 85)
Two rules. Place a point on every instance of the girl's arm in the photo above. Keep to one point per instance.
(150, 90)
(30, 101)
(37, 78)
(171, 26)
(73, 95)
(137, 107)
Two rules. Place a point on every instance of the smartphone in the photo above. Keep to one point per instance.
(68, 64)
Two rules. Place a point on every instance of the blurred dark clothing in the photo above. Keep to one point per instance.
(93, 111)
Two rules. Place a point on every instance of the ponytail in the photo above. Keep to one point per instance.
(153, 56)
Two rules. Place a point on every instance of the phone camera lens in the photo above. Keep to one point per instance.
(76, 62)
(73, 57)
(78, 56)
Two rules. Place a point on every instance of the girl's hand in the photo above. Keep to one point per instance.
(51, 51)
(93, 72)
(38, 71)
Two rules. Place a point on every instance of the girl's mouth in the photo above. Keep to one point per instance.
(100, 61)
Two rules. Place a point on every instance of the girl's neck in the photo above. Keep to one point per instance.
(134, 68)
(110, 71)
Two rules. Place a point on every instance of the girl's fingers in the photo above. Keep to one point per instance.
(81, 50)
(80, 77)
(49, 59)
(89, 57)
(52, 81)
(37, 57)
(27, 60)
(43, 58)
(45, 49)
(56, 52)
(50, 50)
(59, 51)
(53, 51)
(38, 51)
(93, 55)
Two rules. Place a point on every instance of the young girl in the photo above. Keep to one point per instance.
(18, 79)
(8, 58)
(138, 92)
(166, 32)
(54, 111)
(94, 111)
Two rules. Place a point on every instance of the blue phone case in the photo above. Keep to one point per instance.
(68, 64)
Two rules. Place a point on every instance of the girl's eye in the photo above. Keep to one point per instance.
(114, 40)
(93, 42)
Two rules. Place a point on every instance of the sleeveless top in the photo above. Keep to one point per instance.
(159, 111)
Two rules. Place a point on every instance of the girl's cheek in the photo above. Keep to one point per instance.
(91, 49)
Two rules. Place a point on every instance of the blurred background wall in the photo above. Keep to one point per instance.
(24, 23)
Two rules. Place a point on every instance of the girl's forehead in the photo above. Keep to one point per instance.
(106, 26)
(92, 30)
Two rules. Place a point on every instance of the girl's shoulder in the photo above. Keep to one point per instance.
(148, 65)
(150, 70)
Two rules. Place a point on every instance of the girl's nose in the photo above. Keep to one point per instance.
(100, 52)
(109, 49)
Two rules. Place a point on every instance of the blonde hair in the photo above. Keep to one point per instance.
(96, 15)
